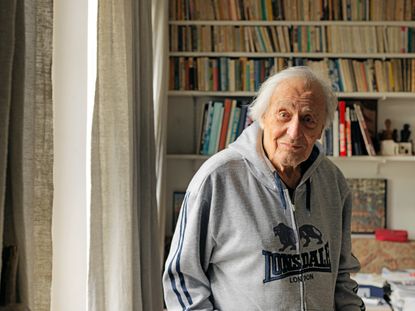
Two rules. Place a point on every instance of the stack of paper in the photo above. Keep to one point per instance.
(403, 288)
(371, 291)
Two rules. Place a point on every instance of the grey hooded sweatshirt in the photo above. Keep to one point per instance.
(241, 242)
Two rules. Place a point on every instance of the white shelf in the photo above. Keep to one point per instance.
(362, 95)
(289, 23)
(292, 55)
(377, 159)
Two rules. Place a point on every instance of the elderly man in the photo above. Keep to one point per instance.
(265, 224)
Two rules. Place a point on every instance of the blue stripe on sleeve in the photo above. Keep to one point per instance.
(170, 272)
(182, 281)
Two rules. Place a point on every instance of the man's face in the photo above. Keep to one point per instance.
(293, 122)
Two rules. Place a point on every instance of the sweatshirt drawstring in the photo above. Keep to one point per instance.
(281, 189)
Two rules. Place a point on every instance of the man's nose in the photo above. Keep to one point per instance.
(294, 128)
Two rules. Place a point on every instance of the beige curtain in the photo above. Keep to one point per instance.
(124, 267)
(160, 70)
(26, 150)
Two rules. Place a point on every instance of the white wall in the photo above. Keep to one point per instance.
(70, 202)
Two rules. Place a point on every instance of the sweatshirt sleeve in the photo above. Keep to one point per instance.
(346, 297)
(185, 281)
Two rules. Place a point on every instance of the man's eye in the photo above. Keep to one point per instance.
(283, 115)
(309, 120)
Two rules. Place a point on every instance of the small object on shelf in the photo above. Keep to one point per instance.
(391, 235)
(405, 149)
(387, 133)
(389, 148)
(405, 133)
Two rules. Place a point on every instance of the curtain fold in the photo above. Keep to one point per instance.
(26, 147)
(160, 69)
(124, 266)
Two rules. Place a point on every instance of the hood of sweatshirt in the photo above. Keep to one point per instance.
(261, 167)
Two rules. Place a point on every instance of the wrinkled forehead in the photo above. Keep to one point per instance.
(298, 89)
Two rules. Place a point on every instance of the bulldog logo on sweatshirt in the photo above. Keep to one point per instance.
(289, 261)
(287, 236)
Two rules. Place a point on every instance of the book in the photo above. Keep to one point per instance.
(335, 126)
(242, 118)
(207, 128)
(216, 123)
(342, 128)
(364, 130)
(357, 139)
(230, 124)
(235, 123)
(348, 133)
(328, 141)
(225, 123)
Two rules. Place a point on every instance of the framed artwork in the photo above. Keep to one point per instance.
(369, 204)
(178, 197)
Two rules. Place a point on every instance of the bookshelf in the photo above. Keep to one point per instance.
(183, 159)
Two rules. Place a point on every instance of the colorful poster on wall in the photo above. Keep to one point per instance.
(369, 204)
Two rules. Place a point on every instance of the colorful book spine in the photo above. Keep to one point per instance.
(229, 131)
(342, 128)
(336, 134)
(225, 123)
(235, 122)
(216, 122)
(207, 129)
(348, 133)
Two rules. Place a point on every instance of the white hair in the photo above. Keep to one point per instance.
(260, 104)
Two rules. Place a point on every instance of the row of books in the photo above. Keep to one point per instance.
(353, 131)
(285, 39)
(348, 10)
(395, 75)
(246, 74)
(221, 74)
(222, 122)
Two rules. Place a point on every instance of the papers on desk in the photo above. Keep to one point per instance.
(376, 304)
(402, 284)
(370, 285)
(371, 290)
